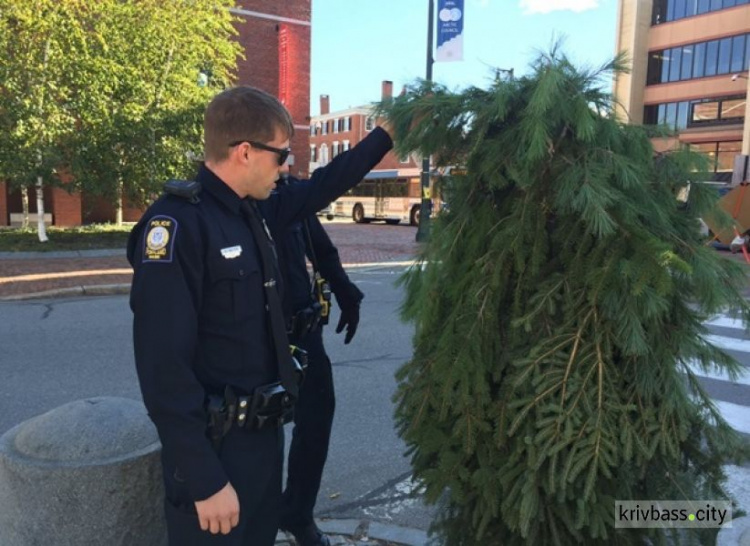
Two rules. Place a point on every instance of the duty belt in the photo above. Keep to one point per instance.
(270, 406)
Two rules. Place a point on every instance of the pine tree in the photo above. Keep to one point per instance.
(558, 306)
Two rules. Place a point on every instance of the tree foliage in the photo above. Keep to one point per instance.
(141, 105)
(35, 38)
(558, 307)
(108, 89)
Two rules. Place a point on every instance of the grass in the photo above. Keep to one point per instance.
(94, 236)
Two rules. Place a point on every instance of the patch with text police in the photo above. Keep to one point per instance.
(159, 240)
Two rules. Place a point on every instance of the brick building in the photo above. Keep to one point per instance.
(276, 40)
(334, 132)
(689, 70)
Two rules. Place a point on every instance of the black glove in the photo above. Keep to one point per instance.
(349, 301)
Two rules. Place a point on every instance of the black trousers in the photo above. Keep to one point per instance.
(313, 418)
(253, 460)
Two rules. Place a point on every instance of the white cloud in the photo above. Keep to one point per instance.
(531, 7)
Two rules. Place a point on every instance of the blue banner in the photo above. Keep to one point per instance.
(450, 31)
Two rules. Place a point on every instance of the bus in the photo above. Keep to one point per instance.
(390, 195)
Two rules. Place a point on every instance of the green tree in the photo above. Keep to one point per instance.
(35, 38)
(557, 307)
(108, 91)
(142, 99)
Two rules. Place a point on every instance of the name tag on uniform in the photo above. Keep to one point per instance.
(231, 252)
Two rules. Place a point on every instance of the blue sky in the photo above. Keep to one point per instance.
(356, 44)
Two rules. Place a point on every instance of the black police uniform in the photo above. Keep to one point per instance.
(200, 324)
(314, 411)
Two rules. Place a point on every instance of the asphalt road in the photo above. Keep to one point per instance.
(56, 351)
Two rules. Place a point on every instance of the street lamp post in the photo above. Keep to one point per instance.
(425, 206)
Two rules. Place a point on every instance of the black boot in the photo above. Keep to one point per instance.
(308, 535)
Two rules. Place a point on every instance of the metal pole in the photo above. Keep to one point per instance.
(425, 206)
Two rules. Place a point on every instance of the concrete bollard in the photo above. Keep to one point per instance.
(84, 474)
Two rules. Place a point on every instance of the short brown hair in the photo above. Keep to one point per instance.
(242, 113)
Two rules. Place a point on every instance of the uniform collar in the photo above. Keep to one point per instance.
(219, 189)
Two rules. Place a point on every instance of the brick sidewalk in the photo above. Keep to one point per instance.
(357, 244)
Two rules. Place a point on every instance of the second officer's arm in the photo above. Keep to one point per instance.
(348, 296)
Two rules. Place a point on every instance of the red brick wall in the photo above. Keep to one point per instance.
(261, 35)
(66, 208)
(97, 210)
(4, 214)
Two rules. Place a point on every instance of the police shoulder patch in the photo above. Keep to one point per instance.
(158, 244)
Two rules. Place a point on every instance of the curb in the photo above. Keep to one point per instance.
(87, 290)
(736, 535)
(119, 289)
(95, 253)
(365, 530)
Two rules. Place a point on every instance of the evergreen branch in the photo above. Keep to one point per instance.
(582, 387)
(600, 362)
(578, 337)
(538, 398)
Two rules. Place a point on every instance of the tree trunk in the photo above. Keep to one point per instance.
(25, 206)
(41, 228)
(118, 217)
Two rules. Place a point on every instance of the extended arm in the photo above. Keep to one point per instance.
(292, 203)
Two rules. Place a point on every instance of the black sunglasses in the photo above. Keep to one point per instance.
(282, 152)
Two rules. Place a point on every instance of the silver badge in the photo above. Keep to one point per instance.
(231, 252)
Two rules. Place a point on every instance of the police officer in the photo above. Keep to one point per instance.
(201, 320)
(313, 416)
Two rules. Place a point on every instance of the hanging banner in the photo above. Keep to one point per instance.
(450, 31)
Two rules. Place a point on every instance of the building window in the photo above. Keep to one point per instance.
(705, 112)
(695, 113)
(738, 53)
(335, 123)
(720, 154)
(733, 109)
(348, 126)
(726, 56)
(335, 150)
(345, 146)
(699, 60)
(324, 128)
(369, 123)
(313, 157)
(672, 10)
(716, 111)
(323, 155)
